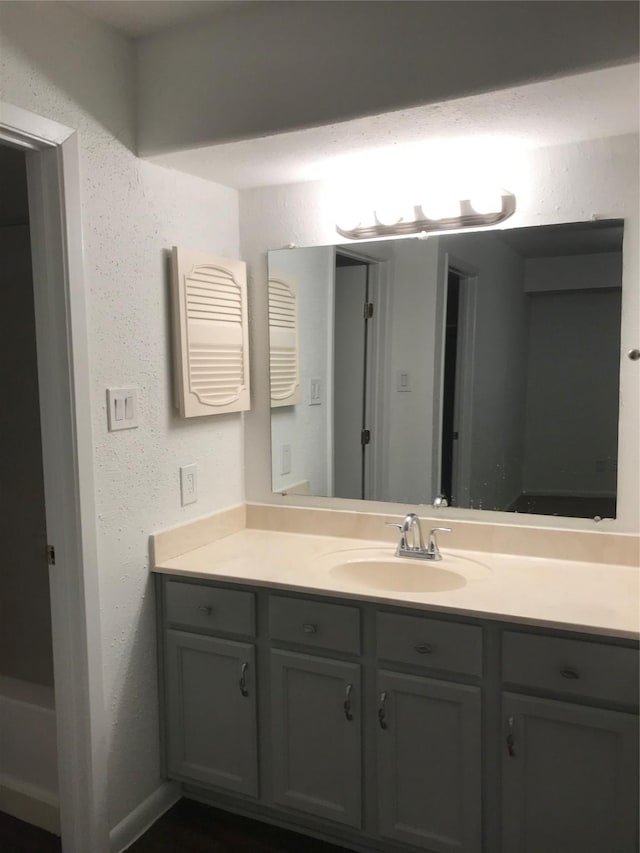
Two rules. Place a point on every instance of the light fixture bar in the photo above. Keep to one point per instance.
(468, 218)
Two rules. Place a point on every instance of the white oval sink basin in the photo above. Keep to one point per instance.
(400, 577)
(379, 569)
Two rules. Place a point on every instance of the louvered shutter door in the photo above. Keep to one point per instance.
(283, 344)
(211, 352)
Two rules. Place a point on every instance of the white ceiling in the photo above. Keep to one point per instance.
(139, 18)
(553, 112)
(587, 106)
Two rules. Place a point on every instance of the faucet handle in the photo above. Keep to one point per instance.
(432, 547)
(402, 545)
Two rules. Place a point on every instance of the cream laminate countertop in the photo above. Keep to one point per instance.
(578, 596)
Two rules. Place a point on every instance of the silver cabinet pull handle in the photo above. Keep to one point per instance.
(310, 628)
(206, 610)
(347, 702)
(511, 741)
(382, 711)
(569, 672)
(243, 679)
(424, 648)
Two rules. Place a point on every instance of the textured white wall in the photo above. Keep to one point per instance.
(59, 64)
(306, 64)
(568, 183)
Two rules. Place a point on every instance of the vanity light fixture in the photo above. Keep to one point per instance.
(474, 212)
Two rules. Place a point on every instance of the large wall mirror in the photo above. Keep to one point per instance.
(480, 369)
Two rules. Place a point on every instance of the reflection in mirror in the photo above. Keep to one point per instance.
(481, 367)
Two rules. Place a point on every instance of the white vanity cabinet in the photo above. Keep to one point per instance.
(210, 687)
(386, 729)
(429, 733)
(316, 709)
(570, 764)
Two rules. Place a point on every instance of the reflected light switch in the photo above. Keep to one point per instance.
(315, 392)
(285, 459)
(403, 380)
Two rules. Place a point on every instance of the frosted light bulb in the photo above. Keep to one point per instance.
(389, 215)
(441, 207)
(349, 219)
(486, 202)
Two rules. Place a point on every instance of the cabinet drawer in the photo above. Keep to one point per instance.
(199, 606)
(575, 667)
(313, 623)
(422, 641)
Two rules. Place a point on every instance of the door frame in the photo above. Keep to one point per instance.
(53, 177)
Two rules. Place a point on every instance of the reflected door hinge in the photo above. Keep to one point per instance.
(51, 555)
(365, 436)
(368, 310)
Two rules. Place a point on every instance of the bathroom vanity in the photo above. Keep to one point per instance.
(385, 720)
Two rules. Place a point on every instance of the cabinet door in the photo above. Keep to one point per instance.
(211, 725)
(315, 712)
(429, 754)
(569, 778)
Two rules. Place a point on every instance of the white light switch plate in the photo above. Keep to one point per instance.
(122, 408)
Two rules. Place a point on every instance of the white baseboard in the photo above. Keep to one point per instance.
(30, 803)
(143, 816)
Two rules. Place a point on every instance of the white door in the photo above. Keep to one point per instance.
(349, 380)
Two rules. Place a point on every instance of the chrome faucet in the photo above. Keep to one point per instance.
(411, 541)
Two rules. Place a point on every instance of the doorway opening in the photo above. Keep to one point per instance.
(27, 707)
(50, 153)
(457, 382)
(449, 433)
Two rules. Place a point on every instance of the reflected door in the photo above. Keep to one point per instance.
(350, 377)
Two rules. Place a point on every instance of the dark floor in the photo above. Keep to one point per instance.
(188, 827)
(19, 837)
(191, 827)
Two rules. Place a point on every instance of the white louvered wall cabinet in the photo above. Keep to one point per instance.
(211, 349)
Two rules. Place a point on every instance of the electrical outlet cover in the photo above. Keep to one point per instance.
(188, 484)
